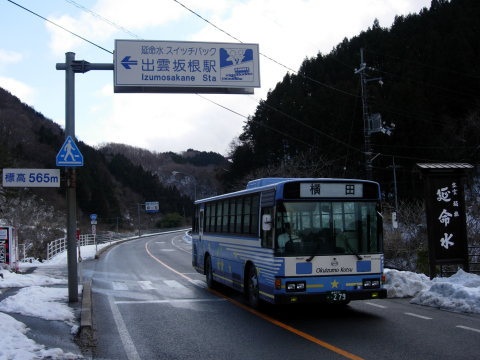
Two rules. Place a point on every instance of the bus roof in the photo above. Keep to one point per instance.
(263, 184)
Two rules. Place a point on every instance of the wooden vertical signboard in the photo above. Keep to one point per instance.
(446, 217)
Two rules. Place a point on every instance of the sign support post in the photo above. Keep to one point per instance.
(71, 66)
(71, 181)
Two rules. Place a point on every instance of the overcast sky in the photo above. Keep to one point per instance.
(286, 30)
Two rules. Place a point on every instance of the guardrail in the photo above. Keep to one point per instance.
(57, 246)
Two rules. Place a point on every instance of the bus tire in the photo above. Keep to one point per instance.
(252, 290)
(209, 273)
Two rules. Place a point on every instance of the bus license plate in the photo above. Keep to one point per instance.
(337, 296)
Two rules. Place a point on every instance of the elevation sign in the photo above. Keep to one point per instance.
(185, 67)
(31, 177)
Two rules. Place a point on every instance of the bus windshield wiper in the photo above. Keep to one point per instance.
(353, 252)
(310, 258)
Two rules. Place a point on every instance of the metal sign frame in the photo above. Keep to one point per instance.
(185, 67)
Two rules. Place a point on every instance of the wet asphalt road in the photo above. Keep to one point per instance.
(148, 303)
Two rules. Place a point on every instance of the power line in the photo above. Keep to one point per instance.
(255, 121)
(93, 13)
(425, 65)
(207, 21)
(235, 38)
(429, 84)
(266, 56)
(312, 128)
(59, 26)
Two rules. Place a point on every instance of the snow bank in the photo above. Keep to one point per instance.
(400, 284)
(460, 293)
(11, 279)
(50, 303)
(16, 345)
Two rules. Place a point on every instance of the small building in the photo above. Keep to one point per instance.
(8, 248)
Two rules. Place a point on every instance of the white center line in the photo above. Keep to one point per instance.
(419, 316)
(376, 305)
(468, 328)
(199, 283)
(146, 285)
(174, 284)
(119, 286)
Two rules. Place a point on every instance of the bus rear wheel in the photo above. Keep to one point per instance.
(252, 289)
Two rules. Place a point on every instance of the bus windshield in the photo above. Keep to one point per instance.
(327, 228)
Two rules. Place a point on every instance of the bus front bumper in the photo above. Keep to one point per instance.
(298, 297)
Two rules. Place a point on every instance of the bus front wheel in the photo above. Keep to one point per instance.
(252, 289)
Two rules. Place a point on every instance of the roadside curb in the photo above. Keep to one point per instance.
(86, 326)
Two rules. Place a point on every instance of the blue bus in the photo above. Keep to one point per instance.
(293, 240)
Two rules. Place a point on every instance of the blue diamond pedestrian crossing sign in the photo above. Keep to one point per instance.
(69, 154)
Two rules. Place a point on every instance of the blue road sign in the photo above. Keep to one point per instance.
(69, 154)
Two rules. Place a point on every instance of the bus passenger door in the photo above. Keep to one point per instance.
(198, 229)
(266, 228)
(200, 253)
(200, 222)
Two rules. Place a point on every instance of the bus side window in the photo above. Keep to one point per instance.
(267, 236)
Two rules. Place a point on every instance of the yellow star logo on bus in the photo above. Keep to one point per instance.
(334, 284)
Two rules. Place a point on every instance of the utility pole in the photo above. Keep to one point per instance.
(395, 213)
(138, 213)
(365, 116)
(372, 123)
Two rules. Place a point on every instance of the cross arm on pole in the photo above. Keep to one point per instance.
(82, 66)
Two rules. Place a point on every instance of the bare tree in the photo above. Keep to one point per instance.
(406, 247)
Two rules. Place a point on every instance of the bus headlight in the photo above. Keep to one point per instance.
(290, 287)
(301, 286)
(296, 286)
(371, 283)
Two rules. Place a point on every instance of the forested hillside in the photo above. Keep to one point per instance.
(114, 182)
(422, 75)
(190, 171)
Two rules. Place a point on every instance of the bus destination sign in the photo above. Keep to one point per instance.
(331, 190)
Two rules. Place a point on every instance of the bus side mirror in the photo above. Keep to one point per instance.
(267, 222)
